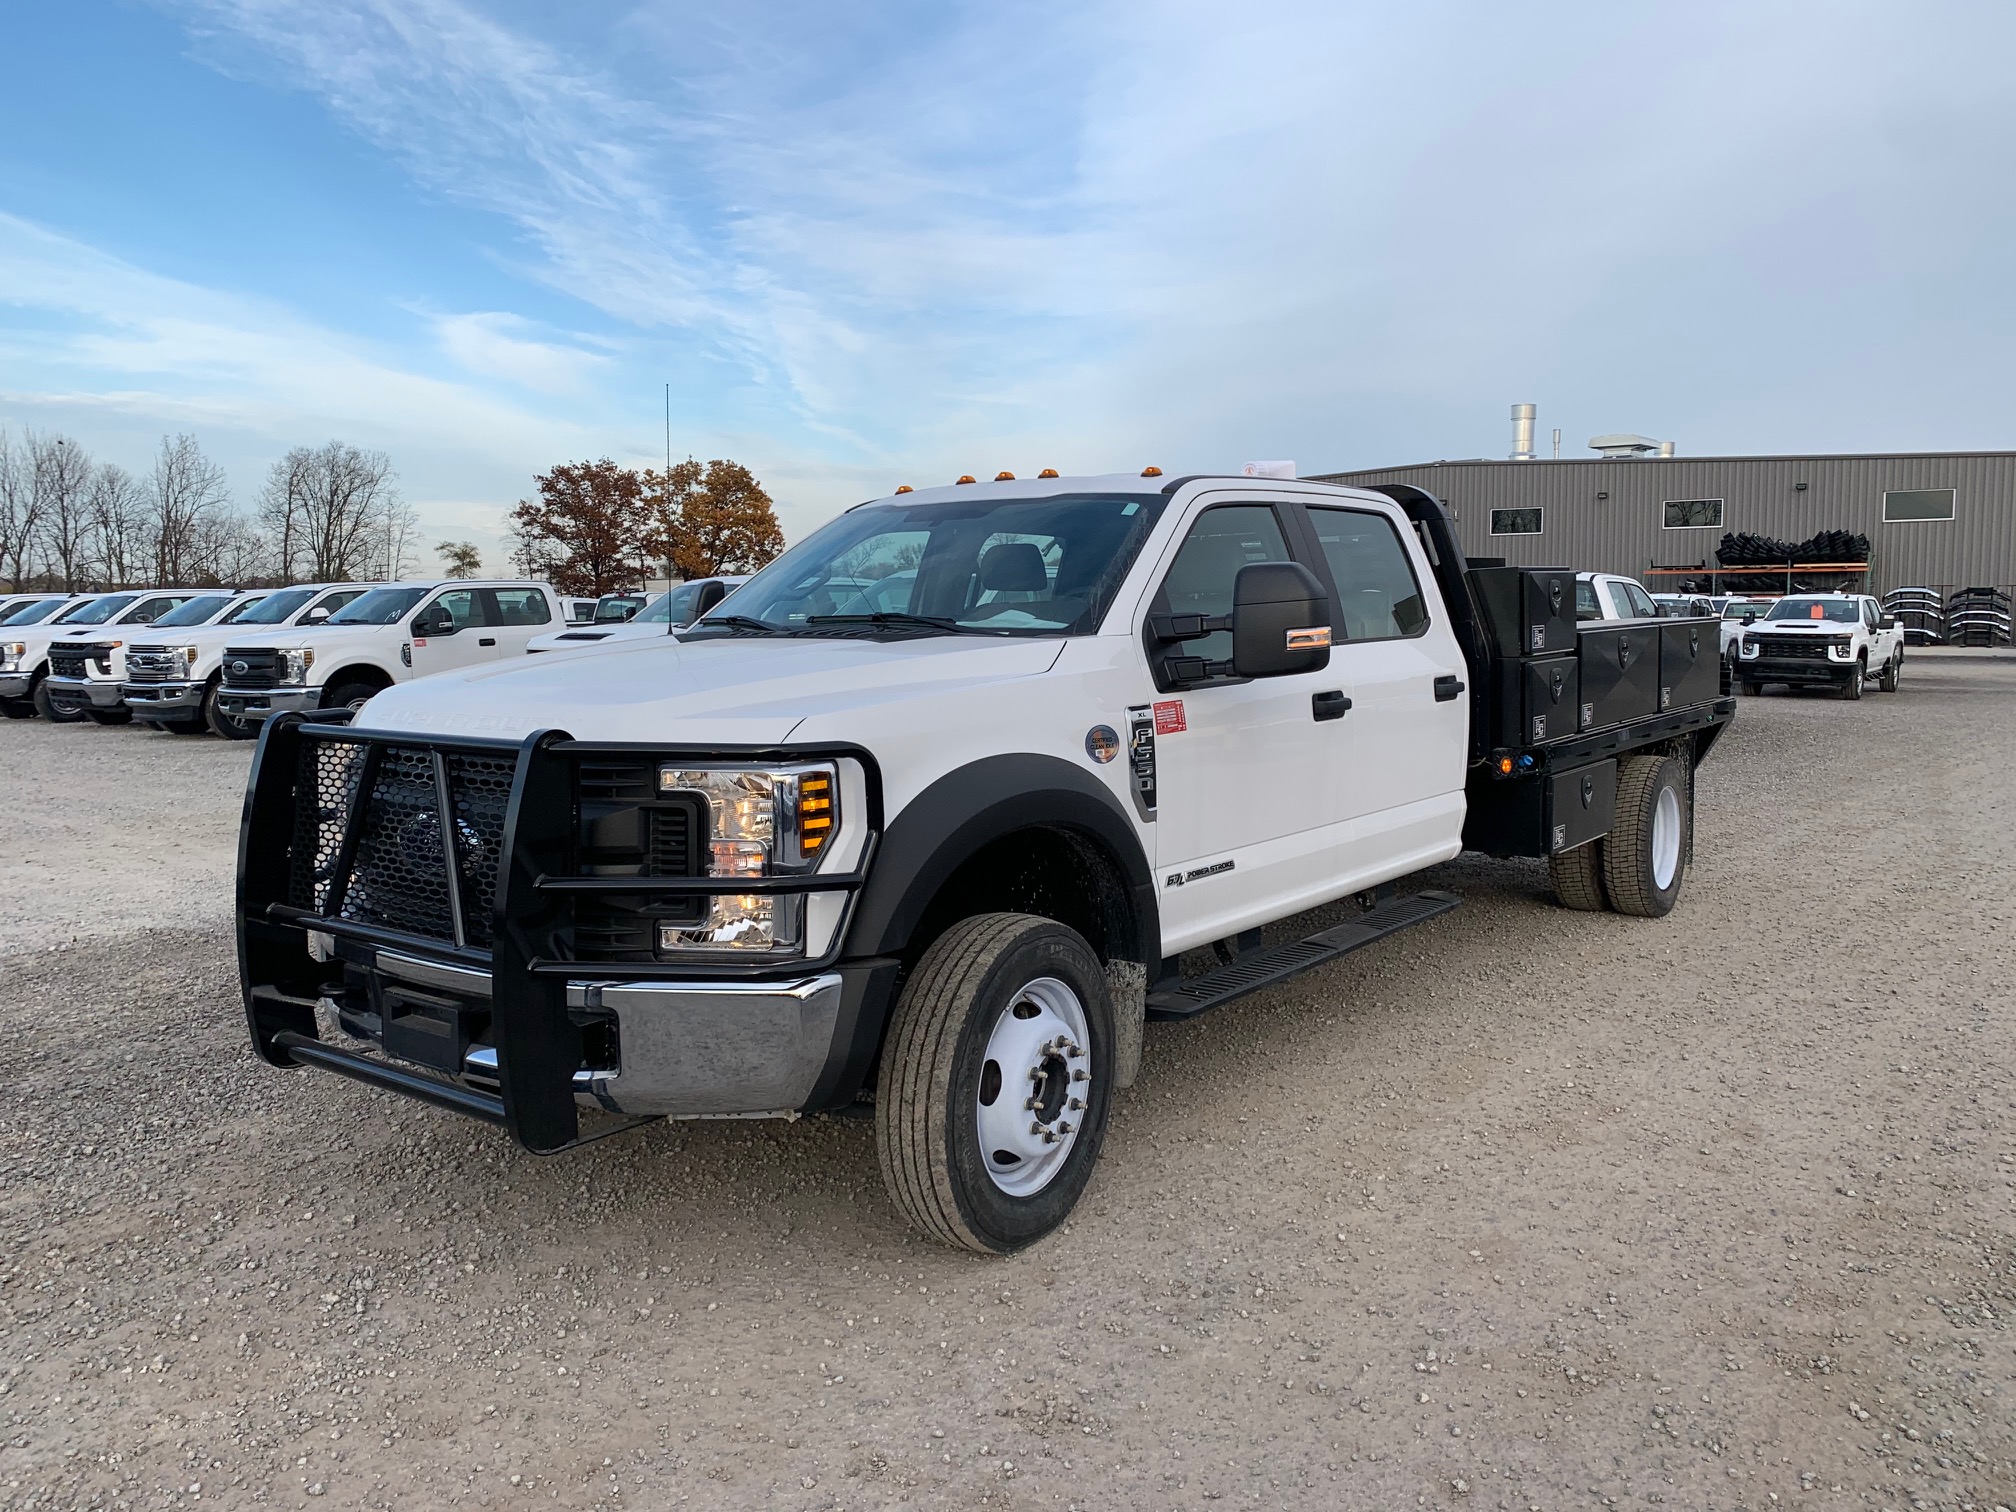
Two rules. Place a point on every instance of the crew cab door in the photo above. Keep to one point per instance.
(515, 615)
(451, 630)
(1397, 659)
(1248, 802)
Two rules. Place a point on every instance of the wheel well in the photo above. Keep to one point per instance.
(1052, 871)
(361, 672)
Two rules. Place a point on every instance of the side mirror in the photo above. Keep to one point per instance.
(1280, 621)
(1749, 619)
(315, 616)
(433, 622)
(1888, 622)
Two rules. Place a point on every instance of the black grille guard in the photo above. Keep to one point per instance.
(539, 1044)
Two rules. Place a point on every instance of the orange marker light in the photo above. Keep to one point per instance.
(1505, 766)
(965, 477)
(1151, 472)
(904, 488)
(1048, 472)
(1004, 477)
(815, 812)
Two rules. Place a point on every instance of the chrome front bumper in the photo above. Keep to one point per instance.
(685, 1049)
(267, 702)
(149, 699)
(75, 693)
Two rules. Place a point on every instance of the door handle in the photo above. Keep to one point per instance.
(1448, 687)
(488, 640)
(1330, 705)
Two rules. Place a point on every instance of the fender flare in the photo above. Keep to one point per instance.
(943, 826)
(378, 674)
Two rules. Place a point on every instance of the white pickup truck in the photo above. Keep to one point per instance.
(1836, 640)
(665, 614)
(925, 817)
(172, 683)
(79, 643)
(89, 677)
(392, 634)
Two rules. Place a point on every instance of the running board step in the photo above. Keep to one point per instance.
(1264, 968)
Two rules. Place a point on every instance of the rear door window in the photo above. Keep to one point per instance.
(1377, 594)
(519, 606)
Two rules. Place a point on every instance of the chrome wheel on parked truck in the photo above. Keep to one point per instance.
(992, 1100)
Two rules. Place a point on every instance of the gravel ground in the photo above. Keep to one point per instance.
(1526, 1209)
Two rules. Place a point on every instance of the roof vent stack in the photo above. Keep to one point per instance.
(1522, 432)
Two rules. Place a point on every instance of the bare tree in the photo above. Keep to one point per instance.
(60, 473)
(230, 551)
(120, 548)
(402, 541)
(333, 513)
(19, 507)
(184, 489)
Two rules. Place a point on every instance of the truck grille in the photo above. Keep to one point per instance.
(1793, 647)
(153, 664)
(71, 660)
(253, 667)
(398, 877)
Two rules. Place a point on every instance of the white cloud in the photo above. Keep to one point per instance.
(492, 343)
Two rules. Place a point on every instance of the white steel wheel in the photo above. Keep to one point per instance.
(995, 1080)
(1666, 838)
(1035, 1083)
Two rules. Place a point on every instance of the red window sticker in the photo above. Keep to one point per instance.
(1169, 717)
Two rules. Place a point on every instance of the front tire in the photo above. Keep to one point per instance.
(48, 710)
(1892, 670)
(225, 726)
(1645, 853)
(1578, 877)
(1851, 686)
(995, 1083)
(351, 696)
(1753, 690)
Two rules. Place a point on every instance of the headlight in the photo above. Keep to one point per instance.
(1841, 650)
(761, 822)
(1748, 650)
(294, 665)
(189, 655)
(12, 652)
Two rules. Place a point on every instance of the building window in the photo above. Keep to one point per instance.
(1918, 504)
(1693, 514)
(1515, 522)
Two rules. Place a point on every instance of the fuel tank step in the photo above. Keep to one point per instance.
(1264, 968)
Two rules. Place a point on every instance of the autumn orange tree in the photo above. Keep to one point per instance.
(590, 531)
(711, 520)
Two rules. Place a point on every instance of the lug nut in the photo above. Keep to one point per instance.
(1078, 1076)
(1064, 1128)
(1077, 1104)
(1037, 1128)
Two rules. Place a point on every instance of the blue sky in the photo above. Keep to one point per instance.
(893, 242)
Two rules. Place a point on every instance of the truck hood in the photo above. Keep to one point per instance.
(745, 691)
(1802, 627)
(294, 637)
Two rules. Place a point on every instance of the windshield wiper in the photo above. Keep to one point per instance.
(899, 618)
(741, 622)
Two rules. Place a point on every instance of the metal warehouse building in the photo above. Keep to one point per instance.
(1941, 520)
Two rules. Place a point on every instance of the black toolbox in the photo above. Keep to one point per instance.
(1690, 662)
(1541, 815)
(1539, 700)
(1529, 611)
(1581, 805)
(1620, 672)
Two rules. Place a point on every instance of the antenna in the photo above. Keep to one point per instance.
(668, 434)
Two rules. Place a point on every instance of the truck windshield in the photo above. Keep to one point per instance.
(1734, 610)
(275, 607)
(381, 606)
(198, 611)
(1840, 611)
(96, 611)
(1014, 566)
(659, 610)
(33, 614)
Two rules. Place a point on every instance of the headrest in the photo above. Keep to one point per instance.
(1013, 567)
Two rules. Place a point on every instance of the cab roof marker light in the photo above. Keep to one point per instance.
(1048, 472)
(1004, 477)
(1151, 472)
(965, 478)
(904, 488)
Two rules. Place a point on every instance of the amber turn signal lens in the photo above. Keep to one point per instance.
(904, 488)
(965, 477)
(1151, 472)
(815, 812)
(1048, 472)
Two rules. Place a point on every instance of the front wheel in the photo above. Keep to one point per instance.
(48, 710)
(226, 726)
(1851, 686)
(1753, 690)
(995, 1082)
(1892, 670)
(1645, 853)
(351, 696)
